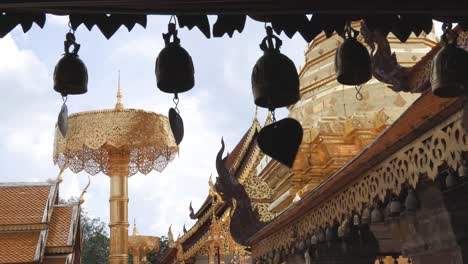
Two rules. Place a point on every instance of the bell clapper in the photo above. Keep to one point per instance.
(62, 120)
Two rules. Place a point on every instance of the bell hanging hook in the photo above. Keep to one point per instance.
(359, 95)
(273, 117)
(176, 102)
(448, 32)
(173, 18)
(267, 42)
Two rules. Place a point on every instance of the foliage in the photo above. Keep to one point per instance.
(95, 240)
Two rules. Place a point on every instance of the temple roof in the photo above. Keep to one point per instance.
(235, 162)
(33, 224)
(19, 247)
(24, 203)
(61, 226)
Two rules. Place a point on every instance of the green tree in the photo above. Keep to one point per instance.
(95, 240)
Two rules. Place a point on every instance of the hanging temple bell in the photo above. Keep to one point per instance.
(449, 77)
(174, 74)
(352, 60)
(70, 74)
(174, 66)
(275, 82)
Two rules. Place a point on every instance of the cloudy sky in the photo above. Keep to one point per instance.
(220, 104)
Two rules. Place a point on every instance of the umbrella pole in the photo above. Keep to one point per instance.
(118, 201)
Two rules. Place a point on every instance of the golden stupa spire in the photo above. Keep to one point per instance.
(119, 105)
(135, 230)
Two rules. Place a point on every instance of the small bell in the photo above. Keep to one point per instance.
(70, 74)
(352, 60)
(275, 82)
(330, 235)
(321, 236)
(411, 201)
(174, 67)
(313, 240)
(449, 78)
(376, 215)
(451, 180)
(395, 207)
(366, 215)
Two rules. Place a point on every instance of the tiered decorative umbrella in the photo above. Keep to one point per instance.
(140, 246)
(118, 142)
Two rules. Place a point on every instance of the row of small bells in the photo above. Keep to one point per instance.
(275, 81)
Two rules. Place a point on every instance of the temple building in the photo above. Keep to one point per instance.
(35, 227)
(209, 239)
(386, 183)
(378, 177)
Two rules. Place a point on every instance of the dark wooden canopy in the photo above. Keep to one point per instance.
(441, 7)
(398, 16)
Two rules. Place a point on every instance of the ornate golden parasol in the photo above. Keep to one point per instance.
(139, 246)
(119, 143)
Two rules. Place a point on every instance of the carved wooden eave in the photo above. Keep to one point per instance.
(410, 139)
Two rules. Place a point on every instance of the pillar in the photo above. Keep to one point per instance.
(118, 200)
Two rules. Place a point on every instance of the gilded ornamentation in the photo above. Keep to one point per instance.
(147, 136)
(250, 133)
(201, 248)
(443, 144)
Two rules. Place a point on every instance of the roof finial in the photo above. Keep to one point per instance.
(256, 114)
(82, 200)
(119, 105)
(59, 177)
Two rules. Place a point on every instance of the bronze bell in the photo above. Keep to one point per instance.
(174, 66)
(70, 74)
(449, 78)
(275, 82)
(352, 60)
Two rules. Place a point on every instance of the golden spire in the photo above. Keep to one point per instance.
(135, 230)
(119, 106)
